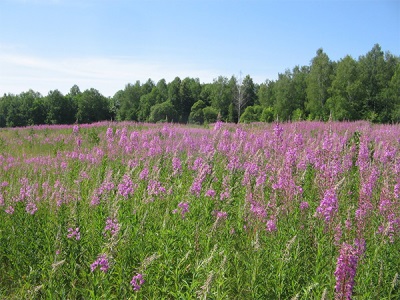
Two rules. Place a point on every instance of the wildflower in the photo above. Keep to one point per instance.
(346, 268)
(125, 188)
(271, 225)
(210, 193)
(328, 206)
(195, 189)
(75, 129)
(221, 214)
(184, 206)
(101, 262)
(176, 165)
(154, 188)
(31, 208)
(144, 174)
(112, 226)
(10, 210)
(224, 195)
(304, 205)
(137, 281)
(74, 233)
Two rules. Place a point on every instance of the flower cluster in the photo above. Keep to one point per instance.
(137, 282)
(328, 206)
(125, 188)
(184, 206)
(74, 233)
(346, 268)
(31, 208)
(101, 262)
(112, 226)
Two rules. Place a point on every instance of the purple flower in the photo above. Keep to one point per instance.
(346, 268)
(10, 210)
(304, 205)
(195, 189)
(184, 207)
(176, 165)
(210, 193)
(31, 208)
(125, 188)
(112, 226)
(101, 262)
(271, 225)
(144, 174)
(74, 233)
(137, 281)
(328, 205)
(221, 214)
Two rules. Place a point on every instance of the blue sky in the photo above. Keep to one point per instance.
(105, 44)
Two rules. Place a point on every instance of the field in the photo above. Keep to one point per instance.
(303, 210)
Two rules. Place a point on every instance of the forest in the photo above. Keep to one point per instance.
(367, 88)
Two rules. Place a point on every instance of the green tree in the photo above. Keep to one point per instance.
(60, 109)
(210, 114)
(244, 94)
(284, 93)
(188, 94)
(221, 96)
(392, 94)
(127, 102)
(174, 95)
(162, 112)
(267, 114)
(251, 114)
(372, 67)
(318, 83)
(346, 91)
(92, 107)
(196, 114)
(266, 94)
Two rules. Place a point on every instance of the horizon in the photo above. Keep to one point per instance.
(54, 44)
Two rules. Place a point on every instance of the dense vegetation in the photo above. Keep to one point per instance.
(349, 89)
(302, 210)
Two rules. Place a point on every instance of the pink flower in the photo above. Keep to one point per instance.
(31, 208)
(210, 193)
(101, 262)
(74, 233)
(271, 225)
(112, 226)
(221, 214)
(328, 206)
(346, 268)
(137, 282)
(304, 205)
(10, 210)
(184, 207)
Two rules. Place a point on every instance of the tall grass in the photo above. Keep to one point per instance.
(141, 211)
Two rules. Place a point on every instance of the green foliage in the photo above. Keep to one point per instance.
(351, 89)
(162, 112)
(196, 115)
(318, 82)
(92, 107)
(251, 114)
(210, 114)
(267, 114)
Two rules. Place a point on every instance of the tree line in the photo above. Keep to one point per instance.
(364, 89)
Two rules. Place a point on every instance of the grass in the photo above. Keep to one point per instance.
(197, 254)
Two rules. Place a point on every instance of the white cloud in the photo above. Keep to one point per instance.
(20, 72)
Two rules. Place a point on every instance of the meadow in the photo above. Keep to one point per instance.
(303, 210)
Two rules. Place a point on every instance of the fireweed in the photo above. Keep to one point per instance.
(239, 192)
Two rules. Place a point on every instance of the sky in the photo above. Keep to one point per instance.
(106, 44)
